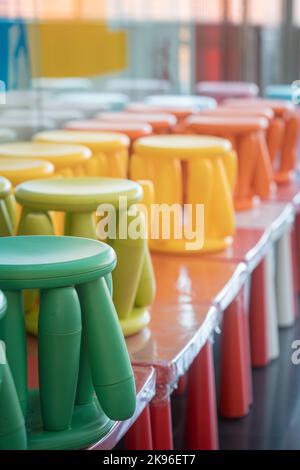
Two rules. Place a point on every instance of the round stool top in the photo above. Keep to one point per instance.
(132, 85)
(267, 113)
(182, 146)
(96, 101)
(62, 156)
(3, 306)
(17, 170)
(77, 194)
(96, 141)
(5, 187)
(57, 115)
(279, 92)
(60, 84)
(45, 262)
(30, 122)
(228, 89)
(133, 130)
(279, 107)
(156, 120)
(178, 110)
(7, 135)
(221, 124)
(185, 101)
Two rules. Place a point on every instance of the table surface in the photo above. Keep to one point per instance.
(145, 379)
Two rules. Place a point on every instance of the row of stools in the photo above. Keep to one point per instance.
(231, 160)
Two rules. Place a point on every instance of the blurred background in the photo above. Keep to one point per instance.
(179, 41)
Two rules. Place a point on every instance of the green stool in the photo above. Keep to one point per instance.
(7, 208)
(85, 376)
(12, 425)
(79, 198)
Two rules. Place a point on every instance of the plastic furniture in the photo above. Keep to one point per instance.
(223, 90)
(210, 169)
(71, 84)
(7, 208)
(26, 128)
(68, 160)
(279, 92)
(79, 199)
(161, 123)
(192, 293)
(59, 116)
(247, 135)
(282, 137)
(17, 170)
(85, 376)
(109, 150)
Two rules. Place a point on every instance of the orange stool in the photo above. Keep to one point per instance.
(247, 136)
(109, 150)
(282, 136)
(220, 91)
(161, 123)
(210, 168)
(133, 130)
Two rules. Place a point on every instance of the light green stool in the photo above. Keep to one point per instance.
(12, 425)
(85, 375)
(7, 208)
(79, 198)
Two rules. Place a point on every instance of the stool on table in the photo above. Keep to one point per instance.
(161, 123)
(109, 150)
(7, 208)
(85, 376)
(282, 135)
(68, 160)
(223, 90)
(210, 167)
(79, 199)
(248, 139)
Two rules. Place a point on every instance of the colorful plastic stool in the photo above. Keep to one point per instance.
(133, 130)
(279, 92)
(247, 135)
(109, 150)
(7, 135)
(81, 383)
(161, 123)
(284, 132)
(17, 170)
(26, 128)
(80, 198)
(210, 167)
(12, 424)
(223, 90)
(7, 208)
(68, 160)
(90, 103)
(54, 85)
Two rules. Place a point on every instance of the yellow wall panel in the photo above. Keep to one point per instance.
(76, 48)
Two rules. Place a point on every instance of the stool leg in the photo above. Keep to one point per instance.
(284, 283)
(118, 164)
(146, 287)
(139, 436)
(112, 374)
(35, 223)
(12, 332)
(80, 225)
(271, 306)
(12, 425)
(258, 317)
(10, 203)
(161, 422)
(201, 417)
(6, 227)
(59, 350)
(236, 381)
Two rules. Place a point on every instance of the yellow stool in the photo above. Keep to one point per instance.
(68, 160)
(110, 150)
(188, 171)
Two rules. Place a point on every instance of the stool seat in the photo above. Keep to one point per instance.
(183, 147)
(89, 100)
(133, 130)
(156, 120)
(226, 111)
(279, 92)
(5, 187)
(95, 141)
(222, 124)
(77, 194)
(44, 262)
(185, 101)
(222, 90)
(61, 156)
(17, 170)
(179, 111)
(280, 107)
